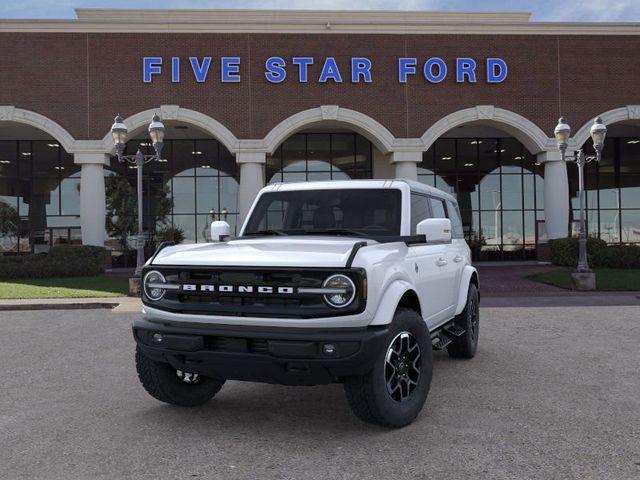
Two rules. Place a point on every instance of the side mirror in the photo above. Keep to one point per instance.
(220, 231)
(435, 229)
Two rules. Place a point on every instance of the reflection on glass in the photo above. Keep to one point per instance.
(630, 222)
(610, 226)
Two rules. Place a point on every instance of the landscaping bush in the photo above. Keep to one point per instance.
(564, 251)
(618, 256)
(61, 261)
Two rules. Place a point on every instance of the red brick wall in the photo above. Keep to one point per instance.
(82, 80)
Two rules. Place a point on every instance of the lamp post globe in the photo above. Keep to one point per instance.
(156, 132)
(562, 133)
(598, 133)
(119, 133)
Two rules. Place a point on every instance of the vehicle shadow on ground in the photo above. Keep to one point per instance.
(255, 409)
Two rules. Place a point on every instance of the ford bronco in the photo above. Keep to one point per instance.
(344, 281)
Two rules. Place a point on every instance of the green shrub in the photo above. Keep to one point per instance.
(618, 256)
(61, 261)
(564, 251)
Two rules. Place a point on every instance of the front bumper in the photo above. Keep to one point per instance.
(288, 356)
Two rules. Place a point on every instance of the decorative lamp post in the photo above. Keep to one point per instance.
(583, 278)
(119, 133)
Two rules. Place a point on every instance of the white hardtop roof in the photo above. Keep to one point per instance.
(398, 183)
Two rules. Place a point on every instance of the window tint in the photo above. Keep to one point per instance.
(368, 211)
(456, 220)
(437, 207)
(419, 210)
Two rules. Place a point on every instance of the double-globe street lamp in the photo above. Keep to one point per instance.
(119, 133)
(562, 133)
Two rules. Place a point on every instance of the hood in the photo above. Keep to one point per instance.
(292, 251)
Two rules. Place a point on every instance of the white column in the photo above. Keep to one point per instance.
(92, 197)
(406, 164)
(556, 194)
(251, 180)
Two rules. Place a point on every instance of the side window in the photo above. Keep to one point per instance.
(456, 220)
(437, 206)
(419, 210)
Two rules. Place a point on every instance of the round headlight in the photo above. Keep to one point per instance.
(152, 280)
(345, 291)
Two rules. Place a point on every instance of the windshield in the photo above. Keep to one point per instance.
(355, 212)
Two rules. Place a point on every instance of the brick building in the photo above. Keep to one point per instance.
(463, 101)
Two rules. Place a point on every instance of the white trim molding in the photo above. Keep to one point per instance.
(629, 112)
(527, 132)
(10, 113)
(179, 114)
(373, 130)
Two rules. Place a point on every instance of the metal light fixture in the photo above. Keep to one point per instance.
(119, 133)
(562, 133)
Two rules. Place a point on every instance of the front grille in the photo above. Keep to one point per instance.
(276, 303)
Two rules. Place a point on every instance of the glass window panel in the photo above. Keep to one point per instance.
(427, 180)
(445, 156)
(24, 159)
(528, 191)
(490, 192)
(437, 208)
(343, 152)
(529, 227)
(512, 230)
(70, 196)
(419, 210)
(610, 226)
(229, 194)
(293, 153)
(467, 161)
(318, 176)
(427, 163)
(512, 192)
(45, 159)
(8, 159)
(364, 160)
(630, 196)
(609, 198)
(446, 184)
(67, 167)
(183, 195)
(273, 167)
(66, 221)
(8, 191)
(629, 155)
(183, 157)
(228, 165)
(294, 177)
(539, 192)
(491, 230)
(345, 175)
(207, 195)
(470, 224)
(467, 192)
(203, 228)
(487, 155)
(45, 196)
(187, 223)
(206, 157)
(319, 152)
(511, 156)
(630, 221)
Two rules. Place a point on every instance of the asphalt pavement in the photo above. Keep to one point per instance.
(554, 393)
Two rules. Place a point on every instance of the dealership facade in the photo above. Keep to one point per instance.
(463, 101)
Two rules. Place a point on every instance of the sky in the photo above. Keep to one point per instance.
(542, 10)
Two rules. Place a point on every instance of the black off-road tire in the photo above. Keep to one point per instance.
(368, 395)
(162, 382)
(466, 345)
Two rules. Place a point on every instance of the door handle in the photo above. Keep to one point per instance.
(441, 262)
(458, 258)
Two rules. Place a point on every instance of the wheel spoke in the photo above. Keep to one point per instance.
(402, 366)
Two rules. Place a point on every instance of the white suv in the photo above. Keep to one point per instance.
(343, 281)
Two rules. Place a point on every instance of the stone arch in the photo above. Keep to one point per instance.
(629, 112)
(527, 132)
(373, 130)
(177, 113)
(10, 113)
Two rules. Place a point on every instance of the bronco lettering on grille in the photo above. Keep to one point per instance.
(266, 289)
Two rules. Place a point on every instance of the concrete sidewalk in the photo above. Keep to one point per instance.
(117, 304)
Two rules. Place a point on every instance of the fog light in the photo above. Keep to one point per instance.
(329, 348)
(157, 338)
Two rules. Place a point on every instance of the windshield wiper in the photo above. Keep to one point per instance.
(266, 232)
(337, 231)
